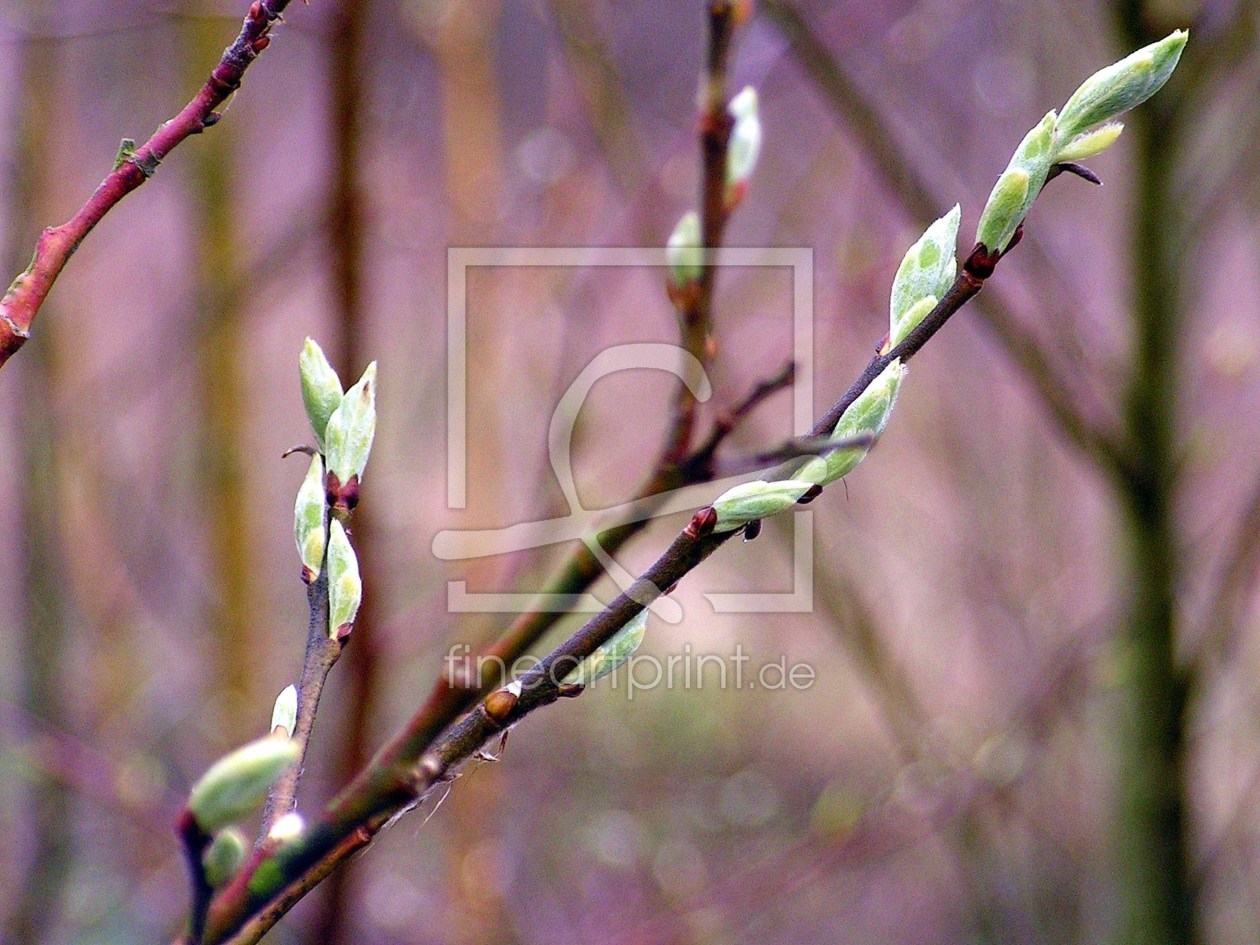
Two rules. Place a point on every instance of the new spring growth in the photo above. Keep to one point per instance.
(683, 252)
(612, 654)
(284, 714)
(868, 415)
(345, 587)
(924, 276)
(223, 857)
(351, 428)
(321, 388)
(744, 145)
(1072, 135)
(310, 520)
(1120, 87)
(237, 784)
(1018, 187)
(753, 501)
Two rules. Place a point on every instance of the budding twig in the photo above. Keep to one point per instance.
(57, 244)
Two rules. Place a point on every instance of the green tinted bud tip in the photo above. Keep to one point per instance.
(612, 654)
(284, 714)
(345, 587)
(683, 252)
(348, 441)
(310, 531)
(224, 857)
(321, 388)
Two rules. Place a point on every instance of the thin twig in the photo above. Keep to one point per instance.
(57, 244)
(910, 184)
(322, 652)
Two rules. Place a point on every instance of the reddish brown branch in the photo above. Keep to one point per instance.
(22, 301)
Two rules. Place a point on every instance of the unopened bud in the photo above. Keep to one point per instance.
(237, 784)
(752, 501)
(345, 587)
(1121, 86)
(683, 251)
(223, 857)
(351, 429)
(321, 388)
(744, 146)
(866, 416)
(284, 714)
(309, 518)
(1019, 185)
(1090, 143)
(619, 648)
(926, 271)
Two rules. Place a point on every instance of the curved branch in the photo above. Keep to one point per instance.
(22, 301)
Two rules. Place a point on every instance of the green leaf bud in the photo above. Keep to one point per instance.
(237, 784)
(612, 654)
(926, 271)
(1004, 211)
(753, 501)
(345, 587)
(351, 428)
(683, 251)
(309, 520)
(1090, 143)
(223, 857)
(321, 388)
(868, 415)
(1019, 185)
(744, 146)
(1121, 86)
(284, 714)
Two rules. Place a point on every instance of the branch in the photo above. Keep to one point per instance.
(322, 652)
(910, 184)
(57, 244)
(419, 758)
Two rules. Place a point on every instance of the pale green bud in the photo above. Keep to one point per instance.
(1004, 211)
(926, 271)
(683, 251)
(1090, 143)
(1122, 85)
(866, 416)
(237, 784)
(224, 857)
(284, 715)
(321, 388)
(612, 654)
(309, 517)
(744, 146)
(345, 587)
(1019, 185)
(753, 501)
(351, 429)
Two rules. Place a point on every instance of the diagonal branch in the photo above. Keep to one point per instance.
(419, 758)
(916, 193)
(22, 301)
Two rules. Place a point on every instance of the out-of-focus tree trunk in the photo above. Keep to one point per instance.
(41, 873)
(356, 679)
(221, 361)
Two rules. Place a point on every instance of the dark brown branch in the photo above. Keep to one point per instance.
(57, 244)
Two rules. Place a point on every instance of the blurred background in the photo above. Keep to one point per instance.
(1034, 715)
